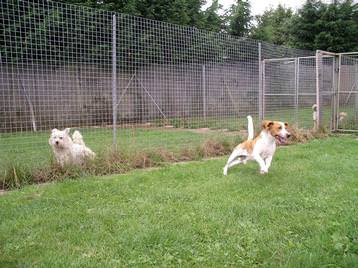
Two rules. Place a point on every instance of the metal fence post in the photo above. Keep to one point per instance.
(114, 81)
(263, 89)
(335, 79)
(318, 88)
(204, 91)
(356, 83)
(297, 77)
(338, 89)
(261, 116)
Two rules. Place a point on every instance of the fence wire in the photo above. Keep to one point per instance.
(348, 92)
(174, 86)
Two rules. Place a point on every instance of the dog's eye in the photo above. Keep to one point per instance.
(60, 138)
(279, 128)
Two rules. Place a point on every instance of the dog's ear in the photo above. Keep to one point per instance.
(266, 124)
(67, 131)
(54, 130)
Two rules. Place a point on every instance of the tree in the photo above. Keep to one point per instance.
(331, 27)
(239, 18)
(213, 21)
(272, 25)
(339, 23)
(183, 12)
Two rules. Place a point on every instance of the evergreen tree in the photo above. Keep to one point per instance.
(332, 27)
(213, 21)
(183, 12)
(272, 25)
(239, 18)
(339, 24)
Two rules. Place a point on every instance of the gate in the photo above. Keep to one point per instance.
(290, 87)
(347, 103)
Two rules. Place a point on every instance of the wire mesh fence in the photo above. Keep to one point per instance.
(141, 83)
(347, 115)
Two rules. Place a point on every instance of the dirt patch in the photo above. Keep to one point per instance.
(202, 130)
(208, 130)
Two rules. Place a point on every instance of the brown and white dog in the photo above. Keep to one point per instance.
(262, 148)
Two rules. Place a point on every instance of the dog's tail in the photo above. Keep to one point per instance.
(77, 138)
(250, 127)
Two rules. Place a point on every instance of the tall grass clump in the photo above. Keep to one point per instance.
(16, 174)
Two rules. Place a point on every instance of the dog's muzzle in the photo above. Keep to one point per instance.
(282, 140)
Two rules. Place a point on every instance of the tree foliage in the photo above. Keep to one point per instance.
(35, 31)
(239, 18)
(184, 12)
(272, 25)
(332, 27)
(213, 21)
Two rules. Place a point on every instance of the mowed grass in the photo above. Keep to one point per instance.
(302, 214)
(33, 147)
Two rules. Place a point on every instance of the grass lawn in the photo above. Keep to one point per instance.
(15, 147)
(34, 147)
(302, 214)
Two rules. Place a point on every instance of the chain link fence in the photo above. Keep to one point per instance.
(140, 83)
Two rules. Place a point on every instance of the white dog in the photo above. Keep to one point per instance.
(342, 116)
(314, 116)
(67, 150)
(262, 148)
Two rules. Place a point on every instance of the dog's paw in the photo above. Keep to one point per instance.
(263, 171)
(225, 171)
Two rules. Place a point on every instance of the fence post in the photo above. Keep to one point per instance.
(263, 89)
(114, 81)
(261, 115)
(297, 78)
(204, 91)
(338, 89)
(335, 79)
(318, 88)
(356, 83)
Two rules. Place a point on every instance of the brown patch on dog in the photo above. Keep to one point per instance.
(248, 145)
(275, 128)
(266, 124)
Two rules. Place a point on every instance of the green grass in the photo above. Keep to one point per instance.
(233, 123)
(15, 147)
(302, 214)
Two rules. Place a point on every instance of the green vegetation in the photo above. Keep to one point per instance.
(331, 27)
(239, 18)
(302, 214)
(26, 157)
(272, 25)
(30, 145)
(316, 25)
(34, 146)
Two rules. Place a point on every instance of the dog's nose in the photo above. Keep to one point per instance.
(288, 135)
(56, 142)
